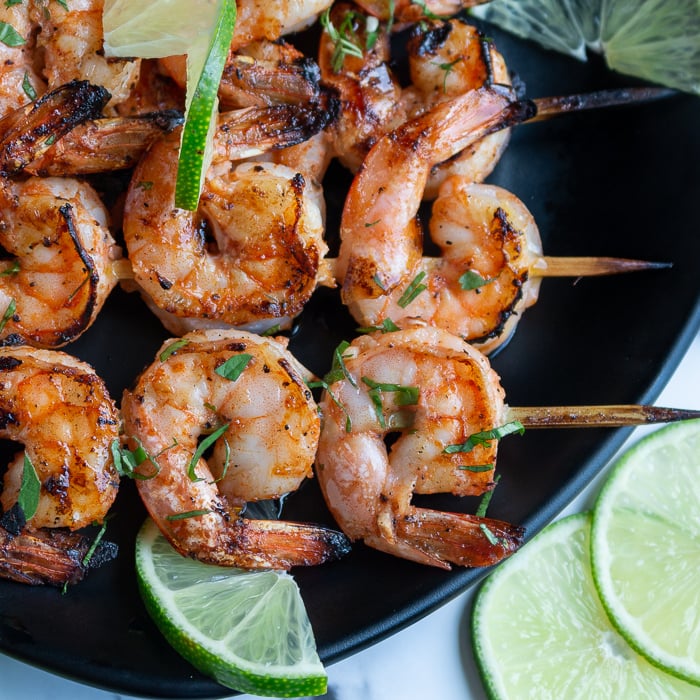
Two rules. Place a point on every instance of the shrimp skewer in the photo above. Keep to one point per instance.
(443, 407)
(489, 271)
(446, 58)
(61, 412)
(268, 429)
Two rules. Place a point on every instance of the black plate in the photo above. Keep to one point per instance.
(617, 182)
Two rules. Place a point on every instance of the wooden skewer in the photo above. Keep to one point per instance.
(122, 269)
(548, 266)
(548, 107)
(612, 416)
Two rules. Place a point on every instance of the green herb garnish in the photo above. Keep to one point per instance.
(344, 39)
(406, 396)
(486, 499)
(189, 514)
(387, 326)
(202, 448)
(486, 436)
(12, 270)
(28, 88)
(10, 36)
(413, 290)
(476, 467)
(234, 366)
(29, 490)
(9, 313)
(472, 280)
(126, 461)
(172, 348)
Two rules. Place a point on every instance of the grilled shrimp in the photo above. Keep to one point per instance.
(446, 59)
(381, 241)
(63, 262)
(370, 94)
(59, 260)
(261, 73)
(60, 410)
(55, 45)
(481, 283)
(410, 11)
(253, 253)
(20, 81)
(250, 392)
(432, 392)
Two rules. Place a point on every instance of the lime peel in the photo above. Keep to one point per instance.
(248, 630)
(655, 40)
(159, 29)
(645, 553)
(538, 623)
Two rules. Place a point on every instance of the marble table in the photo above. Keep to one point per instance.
(430, 659)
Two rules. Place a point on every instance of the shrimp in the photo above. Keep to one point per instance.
(380, 235)
(61, 411)
(433, 391)
(482, 281)
(253, 253)
(446, 59)
(63, 264)
(250, 391)
(261, 73)
(47, 47)
(70, 44)
(105, 144)
(62, 414)
(27, 133)
(369, 91)
(60, 261)
(257, 20)
(20, 81)
(410, 11)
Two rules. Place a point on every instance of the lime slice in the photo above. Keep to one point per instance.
(539, 629)
(249, 630)
(646, 548)
(166, 28)
(656, 40)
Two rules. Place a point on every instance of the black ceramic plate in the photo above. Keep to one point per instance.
(617, 182)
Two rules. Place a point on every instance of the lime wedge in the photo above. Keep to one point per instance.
(249, 630)
(539, 630)
(656, 40)
(646, 548)
(166, 28)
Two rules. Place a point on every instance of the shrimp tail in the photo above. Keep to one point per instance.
(105, 145)
(281, 545)
(50, 557)
(272, 128)
(441, 538)
(30, 131)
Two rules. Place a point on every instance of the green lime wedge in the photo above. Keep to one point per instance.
(646, 548)
(248, 630)
(166, 28)
(539, 630)
(656, 40)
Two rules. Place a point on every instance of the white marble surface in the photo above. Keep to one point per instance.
(429, 659)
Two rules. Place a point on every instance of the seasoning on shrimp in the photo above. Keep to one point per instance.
(246, 394)
(61, 412)
(252, 255)
(431, 391)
